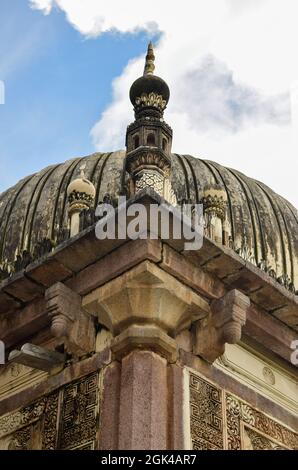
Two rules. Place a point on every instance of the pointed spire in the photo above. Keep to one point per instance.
(82, 171)
(150, 57)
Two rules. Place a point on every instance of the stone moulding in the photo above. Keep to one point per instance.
(145, 337)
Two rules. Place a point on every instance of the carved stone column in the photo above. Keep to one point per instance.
(145, 308)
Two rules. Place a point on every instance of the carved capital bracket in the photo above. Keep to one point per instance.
(223, 325)
(145, 308)
(71, 324)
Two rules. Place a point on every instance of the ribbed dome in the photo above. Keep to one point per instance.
(263, 224)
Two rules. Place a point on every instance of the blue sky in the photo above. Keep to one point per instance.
(67, 66)
(56, 85)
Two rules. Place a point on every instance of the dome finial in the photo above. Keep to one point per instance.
(82, 171)
(150, 58)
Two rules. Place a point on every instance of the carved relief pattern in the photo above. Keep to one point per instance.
(79, 414)
(239, 412)
(151, 99)
(149, 179)
(255, 441)
(14, 421)
(49, 436)
(21, 440)
(65, 419)
(205, 414)
(146, 159)
(246, 427)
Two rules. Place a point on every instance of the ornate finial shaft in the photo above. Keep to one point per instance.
(150, 57)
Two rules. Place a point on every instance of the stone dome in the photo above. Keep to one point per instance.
(263, 225)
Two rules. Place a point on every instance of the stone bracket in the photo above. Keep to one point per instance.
(38, 358)
(71, 324)
(223, 325)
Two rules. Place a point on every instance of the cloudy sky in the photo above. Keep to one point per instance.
(231, 65)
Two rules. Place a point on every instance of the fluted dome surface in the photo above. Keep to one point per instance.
(262, 223)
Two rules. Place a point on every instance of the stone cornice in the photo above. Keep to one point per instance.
(84, 264)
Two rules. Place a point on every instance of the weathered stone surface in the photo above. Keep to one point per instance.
(225, 264)
(16, 326)
(269, 332)
(48, 272)
(109, 420)
(195, 277)
(22, 288)
(115, 263)
(8, 303)
(287, 314)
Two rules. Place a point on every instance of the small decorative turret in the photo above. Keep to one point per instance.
(81, 195)
(214, 202)
(149, 138)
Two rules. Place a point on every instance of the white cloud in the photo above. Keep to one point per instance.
(44, 5)
(230, 66)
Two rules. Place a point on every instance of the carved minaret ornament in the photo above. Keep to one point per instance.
(149, 138)
(215, 202)
(81, 196)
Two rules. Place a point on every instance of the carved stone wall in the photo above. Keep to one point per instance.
(65, 419)
(79, 414)
(220, 420)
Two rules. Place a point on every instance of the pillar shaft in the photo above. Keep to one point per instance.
(143, 416)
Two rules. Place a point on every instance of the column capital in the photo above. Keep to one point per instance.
(145, 308)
